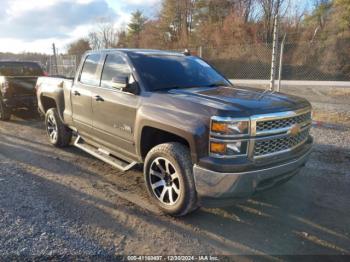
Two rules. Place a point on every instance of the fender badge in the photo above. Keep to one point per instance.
(294, 130)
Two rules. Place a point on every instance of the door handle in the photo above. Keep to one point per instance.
(76, 93)
(99, 99)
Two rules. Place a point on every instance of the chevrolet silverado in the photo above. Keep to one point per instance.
(202, 140)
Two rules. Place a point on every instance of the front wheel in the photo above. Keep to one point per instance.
(59, 134)
(169, 178)
(5, 113)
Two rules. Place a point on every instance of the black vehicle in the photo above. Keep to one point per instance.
(202, 140)
(17, 86)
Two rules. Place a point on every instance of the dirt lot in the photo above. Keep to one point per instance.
(64, 202)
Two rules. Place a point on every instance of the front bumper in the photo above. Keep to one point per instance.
(215, 188)
(21, 101)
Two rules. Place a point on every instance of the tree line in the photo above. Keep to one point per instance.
(188, 23)
(234, 33)
(318, 34)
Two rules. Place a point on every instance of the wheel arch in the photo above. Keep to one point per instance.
(47, 101)
(152, 136)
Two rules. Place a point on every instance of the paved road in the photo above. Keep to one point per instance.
(64, 202)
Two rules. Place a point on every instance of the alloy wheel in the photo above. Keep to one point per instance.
(164, 181)
(52, 128)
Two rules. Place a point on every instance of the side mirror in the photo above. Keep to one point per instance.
(120, 82)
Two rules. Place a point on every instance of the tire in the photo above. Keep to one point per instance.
(5, 113)
(172, 188)
(59, 134)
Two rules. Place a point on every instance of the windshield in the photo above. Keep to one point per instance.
(20, 69)
(160, 72)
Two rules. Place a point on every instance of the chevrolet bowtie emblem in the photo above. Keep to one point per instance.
(294, 130)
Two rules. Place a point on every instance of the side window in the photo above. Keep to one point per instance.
(115, 67)
(88, 74)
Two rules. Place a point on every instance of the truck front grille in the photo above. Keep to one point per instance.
(263, 126)
(279, 144)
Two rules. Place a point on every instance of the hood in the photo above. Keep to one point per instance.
(248, 100)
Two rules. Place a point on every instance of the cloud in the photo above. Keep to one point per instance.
(143, 2)
(56, 20)
(149, 7)
(33, 26)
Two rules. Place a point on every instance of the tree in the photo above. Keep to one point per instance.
(78, 47)
(95, 41)
(137, 23)
(176, 20)
(321, 12)
(245, 8)
(269, 10)
(151, 36)
(122, 38)
(104, 35)
(343, 8)
(213, 12)
(135, 27)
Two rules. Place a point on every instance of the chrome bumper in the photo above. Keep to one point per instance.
(212, 185)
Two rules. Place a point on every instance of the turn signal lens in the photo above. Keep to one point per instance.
(219, 127)
(234, 148)
(217, 148)
(229, 127)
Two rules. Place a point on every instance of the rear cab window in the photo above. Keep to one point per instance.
(20, 69)
(88, 74)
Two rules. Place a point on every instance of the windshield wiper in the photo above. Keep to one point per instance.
(175, 87)
(194, 86)
(218, 84)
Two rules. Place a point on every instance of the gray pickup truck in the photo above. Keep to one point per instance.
(17, 86)
(202, 141)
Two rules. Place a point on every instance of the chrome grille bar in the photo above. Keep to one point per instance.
(272, 132)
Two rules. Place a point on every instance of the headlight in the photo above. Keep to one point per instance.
(221, 148)
(229, 136)
(229, 127)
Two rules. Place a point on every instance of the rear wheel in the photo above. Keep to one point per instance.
(5, 113)
(169, 179)
(59, 134)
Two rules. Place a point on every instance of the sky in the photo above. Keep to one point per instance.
(33, 25)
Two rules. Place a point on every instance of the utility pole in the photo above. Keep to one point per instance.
(274, 47)
(55, 58)
(200, 53)
(281, 63)
(274, 52)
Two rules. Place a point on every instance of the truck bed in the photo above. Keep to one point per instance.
(48, 82)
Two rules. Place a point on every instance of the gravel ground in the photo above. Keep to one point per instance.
(64, 202)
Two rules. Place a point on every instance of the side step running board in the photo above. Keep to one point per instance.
(103, 155)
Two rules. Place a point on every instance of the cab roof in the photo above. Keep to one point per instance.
(137, 51)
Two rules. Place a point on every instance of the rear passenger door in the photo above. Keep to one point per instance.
(114, 111)
(81, 97)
